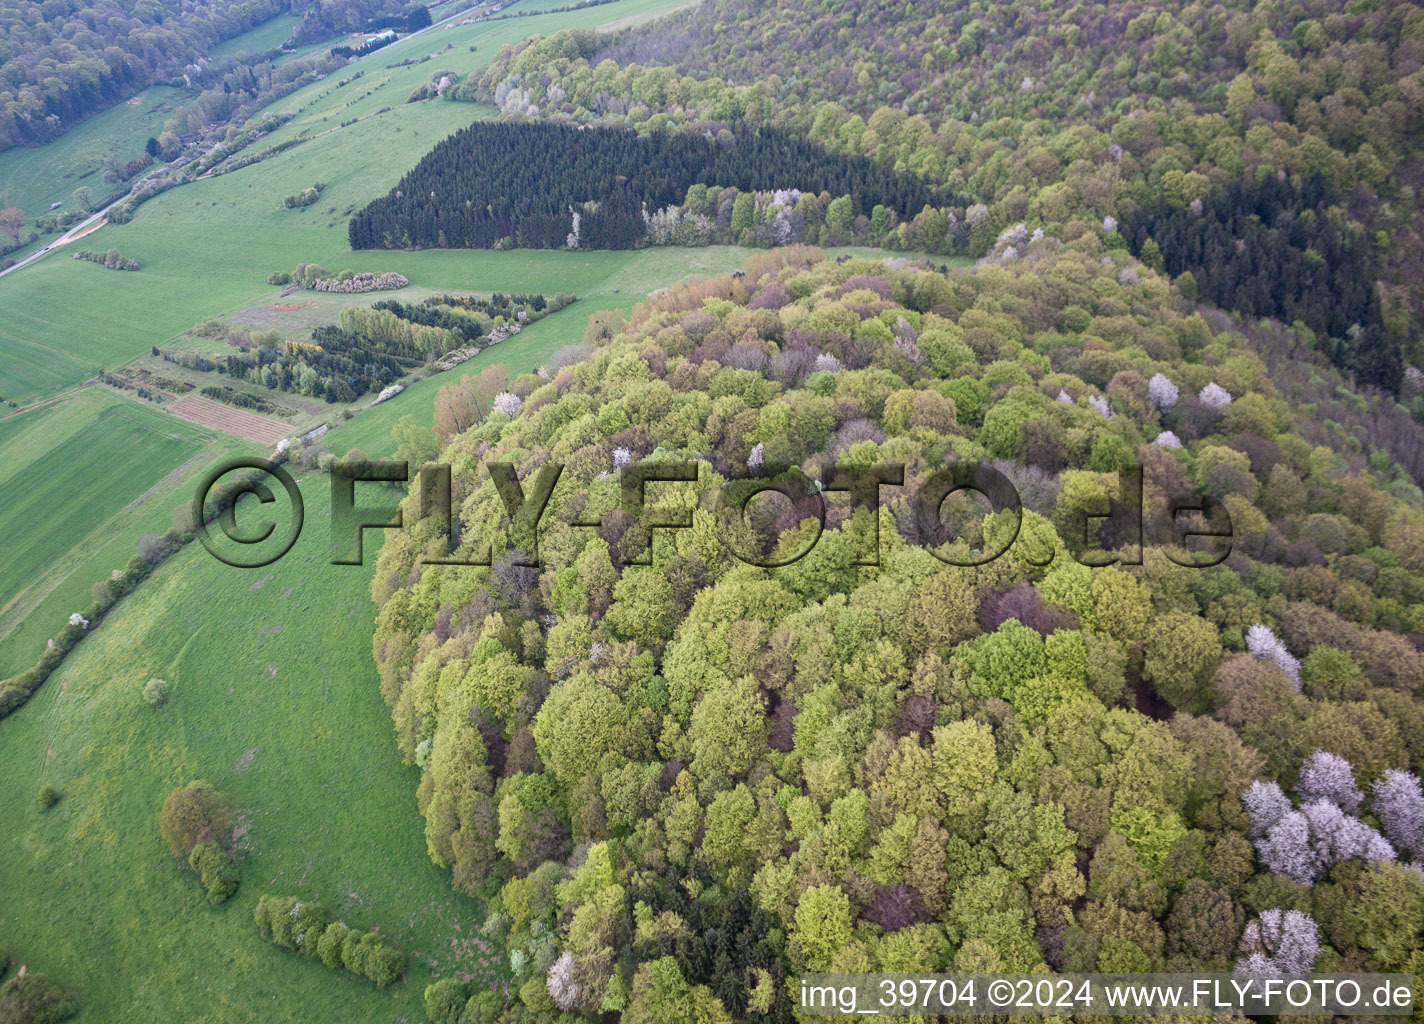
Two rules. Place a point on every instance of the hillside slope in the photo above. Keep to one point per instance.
(677, 786)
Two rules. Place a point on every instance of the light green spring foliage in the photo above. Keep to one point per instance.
(893, 766)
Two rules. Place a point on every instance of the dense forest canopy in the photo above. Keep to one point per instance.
(1044, 114)
(553, 186)
(678, 785)
(62, 60)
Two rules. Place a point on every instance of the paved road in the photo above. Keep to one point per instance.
(63, 239)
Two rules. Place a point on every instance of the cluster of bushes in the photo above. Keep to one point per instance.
(234, 142)
(386, 38)
(146, 189)
(316, 278)
(362, 282)
(331, 369)
(335, 17)
(305, 197)
(450, 1001)
(258, 157)
(197, 826)
(306, 927)
(193, 361)
(472, 318)
(677, 785)
(110, 259)
(123, 172)
(412, 19)
(122, 383)
(371, 347)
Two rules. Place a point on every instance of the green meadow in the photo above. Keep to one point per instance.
(81, 481)
(274, 700)
(32, 179)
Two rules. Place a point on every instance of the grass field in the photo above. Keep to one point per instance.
(80, 482)
(33, 178)
(273, 700)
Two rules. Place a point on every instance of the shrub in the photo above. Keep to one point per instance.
(34, 999)
(305, 197)
(328, 947)
(110, 259)
(217, 869)
(193, 814)
(49, 796)
(445, 1001)
(155, 692)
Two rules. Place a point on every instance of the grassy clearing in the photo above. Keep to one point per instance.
(267, 36)
(273, 700)
(80, 482)
(33, 178)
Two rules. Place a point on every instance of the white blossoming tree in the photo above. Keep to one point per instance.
(508, 403)
(1279, 942)
(1162, 391)
(1214, 396)
(1263, 644)
(1398, 802)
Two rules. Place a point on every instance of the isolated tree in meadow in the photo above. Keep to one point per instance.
(155, 692)
(12, 222)
(82, 198)
(152, 147)
(193, 814)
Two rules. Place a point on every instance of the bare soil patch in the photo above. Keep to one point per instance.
(241, 423)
